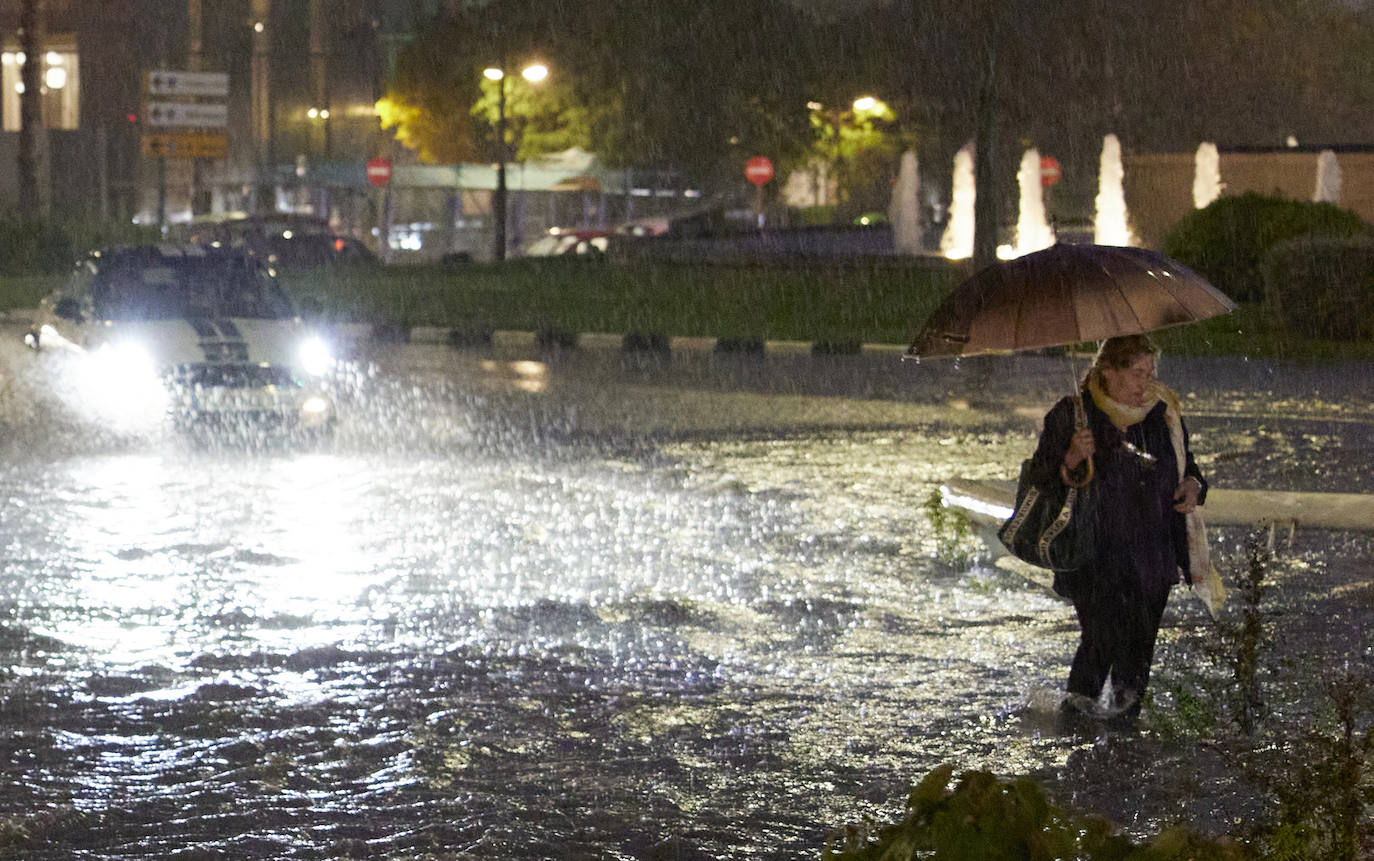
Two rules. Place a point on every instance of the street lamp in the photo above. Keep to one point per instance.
(533, 73)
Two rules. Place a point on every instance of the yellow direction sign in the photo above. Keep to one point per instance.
(189, 145)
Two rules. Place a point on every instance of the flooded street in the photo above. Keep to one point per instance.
(583, 607)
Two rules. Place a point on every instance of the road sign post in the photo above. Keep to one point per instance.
(759, 171)
(189, 117)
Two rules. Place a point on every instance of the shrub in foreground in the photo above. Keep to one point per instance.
(985, 818)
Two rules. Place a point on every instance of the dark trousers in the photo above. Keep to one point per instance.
(1119, 622)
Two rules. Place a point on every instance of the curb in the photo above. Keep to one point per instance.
(633, 342)
(553, 340)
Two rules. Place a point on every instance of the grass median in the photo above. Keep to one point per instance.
(831, 303)
(879, 301)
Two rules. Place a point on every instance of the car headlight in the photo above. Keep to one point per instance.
(124, 382)
(315, 355)
(126, 360)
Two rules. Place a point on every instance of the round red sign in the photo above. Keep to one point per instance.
(378, 171)
(1049, 171)
(758, 170)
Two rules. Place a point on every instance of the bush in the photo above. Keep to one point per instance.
(1322, 287)
(1227, 240)
(986, 817)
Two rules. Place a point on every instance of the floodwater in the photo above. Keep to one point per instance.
(580, 606)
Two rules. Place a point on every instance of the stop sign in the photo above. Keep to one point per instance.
(378, 171)
(1049, 171)
(758, 170)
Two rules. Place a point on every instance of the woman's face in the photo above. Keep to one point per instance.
(1128, 384)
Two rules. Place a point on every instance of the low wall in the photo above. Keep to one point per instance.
(1159, 186)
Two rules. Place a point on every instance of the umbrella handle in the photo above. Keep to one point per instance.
(1086, 480)
(1080, 421)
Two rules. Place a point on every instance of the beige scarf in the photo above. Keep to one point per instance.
(1206, 582)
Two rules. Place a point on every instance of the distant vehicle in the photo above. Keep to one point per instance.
(289, 249)
(287, 241)
(563, 242)
(204, 336)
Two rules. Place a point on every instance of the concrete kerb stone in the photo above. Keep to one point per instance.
(520, 340)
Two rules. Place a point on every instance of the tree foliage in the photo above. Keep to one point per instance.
(692, 86)
(698, 86)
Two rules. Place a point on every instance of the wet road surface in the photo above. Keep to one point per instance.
(571, 607)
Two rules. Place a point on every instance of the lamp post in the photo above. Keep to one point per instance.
(534, 74)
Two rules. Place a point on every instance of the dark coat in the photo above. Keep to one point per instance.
(1139, 534)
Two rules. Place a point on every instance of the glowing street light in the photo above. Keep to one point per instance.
(534, 73)
(865, 103)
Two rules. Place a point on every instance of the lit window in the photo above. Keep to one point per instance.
(61, 85)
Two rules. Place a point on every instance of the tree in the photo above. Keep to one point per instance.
(694, 87)
(30, 109)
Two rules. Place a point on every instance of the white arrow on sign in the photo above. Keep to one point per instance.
(170, 83)
(178, 114)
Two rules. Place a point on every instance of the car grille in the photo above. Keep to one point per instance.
(233, 376)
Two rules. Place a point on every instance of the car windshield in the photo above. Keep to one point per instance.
(187, 288)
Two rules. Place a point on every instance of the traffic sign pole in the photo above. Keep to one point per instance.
(162, 195)
(759, 171)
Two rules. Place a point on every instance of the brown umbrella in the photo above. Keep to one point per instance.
(1066, 294)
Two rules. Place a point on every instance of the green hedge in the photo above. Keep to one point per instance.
(1227, 240)
(1322, 287)
(864, 301)
(36, 248)
(33, 248)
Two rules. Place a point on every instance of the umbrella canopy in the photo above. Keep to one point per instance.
(1067, 294)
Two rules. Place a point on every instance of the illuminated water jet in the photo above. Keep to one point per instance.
(1328, 188)
(1111, 225)
(1033, 231)
(957, 241)
(1206, 175)
(905, 211)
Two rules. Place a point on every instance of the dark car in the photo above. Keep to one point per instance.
(286, 241)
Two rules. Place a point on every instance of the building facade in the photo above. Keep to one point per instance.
(296, 117)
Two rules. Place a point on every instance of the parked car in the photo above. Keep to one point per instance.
(204, 336)
(564, 242)
(284, 241)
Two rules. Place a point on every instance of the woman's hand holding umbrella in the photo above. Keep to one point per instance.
(1081, 448)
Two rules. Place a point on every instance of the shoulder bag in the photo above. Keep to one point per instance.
(1055, 527)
